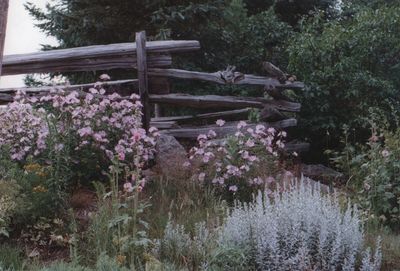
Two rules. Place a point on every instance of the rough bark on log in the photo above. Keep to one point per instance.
(3, 27)
(99, 51)
(275, 71)
(228, 129)
(161, 125)
(73, 64)
(217, 78)
(225, 115)
(214, 101)
(142, 76)
(269, 114)
(6, 98)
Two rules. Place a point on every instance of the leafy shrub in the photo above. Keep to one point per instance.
(298, 229)
(373, 171)
(241, 163)
(8, 204)
(117, 228)
(349, 66)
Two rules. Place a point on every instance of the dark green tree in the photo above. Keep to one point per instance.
(247, 30)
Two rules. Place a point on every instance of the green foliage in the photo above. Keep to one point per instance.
(350, 66)
(117, 228)
(373, 172)
(11, 258)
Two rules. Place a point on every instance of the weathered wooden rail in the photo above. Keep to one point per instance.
(153, 61)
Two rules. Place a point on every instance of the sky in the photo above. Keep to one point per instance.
(22, 37)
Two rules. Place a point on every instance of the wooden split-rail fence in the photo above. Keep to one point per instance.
(153, 61)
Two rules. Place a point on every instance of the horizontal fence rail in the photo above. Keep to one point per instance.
(98, 57)
(223, 79)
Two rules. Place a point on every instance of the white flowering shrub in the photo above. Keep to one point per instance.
(298, 229)
(241, 163)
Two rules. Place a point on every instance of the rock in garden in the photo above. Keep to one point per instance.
(171, 155)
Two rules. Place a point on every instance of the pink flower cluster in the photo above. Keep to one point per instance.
(23, 130)
(234, 162)
(107, 124)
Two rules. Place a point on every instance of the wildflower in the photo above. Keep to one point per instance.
(233, 188)
(202, 177)
(270, 180)
(128, 187)
(241, 124)
(282, 134)
(105, 77)
(374, 138)
(201, 137)
(153, 130)
(207, 157)
(220, 122)
(59, 147)
(385, 153)
(212, 134)
(86, 131)
(186, 164)
(271, 130)
(121, 156)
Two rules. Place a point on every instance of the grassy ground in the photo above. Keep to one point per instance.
(185, 203)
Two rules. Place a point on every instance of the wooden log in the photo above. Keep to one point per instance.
(225, 115)
(159, 85)
(214, 101)
(162, 125)
(83, 64)
(6, 98)
(3, 28)
(99, 51)
(142, 76)
(299, 147)
(275, 71)
(217, 77)
(227, 129)
(269, 114)
(114, 86)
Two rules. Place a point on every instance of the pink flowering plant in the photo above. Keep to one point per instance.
(241, 163)
(77, 134)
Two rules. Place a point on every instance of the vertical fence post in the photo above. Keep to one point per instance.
(3, 27)
(142, 76)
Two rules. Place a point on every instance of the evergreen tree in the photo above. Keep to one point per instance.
(222, 26)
